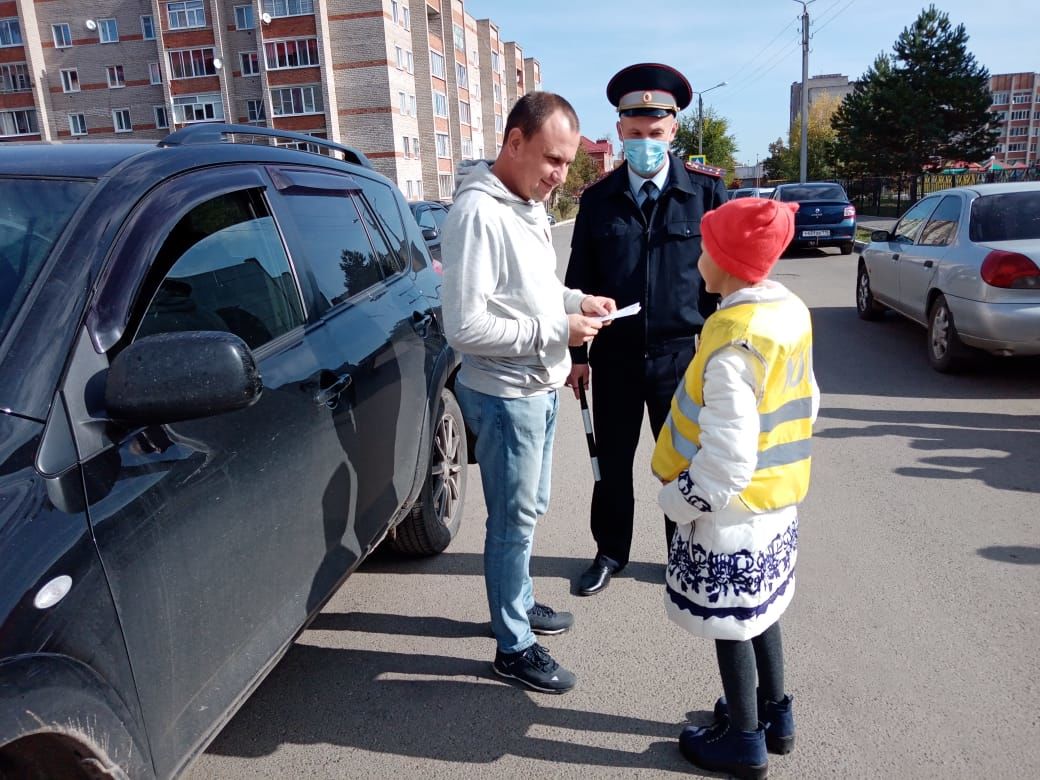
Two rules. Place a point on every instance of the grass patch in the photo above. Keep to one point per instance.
(863, 234)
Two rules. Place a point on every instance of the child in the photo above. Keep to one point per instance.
(734, 457)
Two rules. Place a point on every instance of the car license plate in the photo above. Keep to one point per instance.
(815, 233)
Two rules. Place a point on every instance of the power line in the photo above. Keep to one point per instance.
(763, 69)
(763, 50)
(823, 14)
(840, 12)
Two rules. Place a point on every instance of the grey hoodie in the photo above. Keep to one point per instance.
(505, 310)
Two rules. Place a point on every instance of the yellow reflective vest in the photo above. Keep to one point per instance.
(778, 334)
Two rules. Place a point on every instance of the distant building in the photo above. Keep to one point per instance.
(830, 85)
(1016, 106)
(601, 152)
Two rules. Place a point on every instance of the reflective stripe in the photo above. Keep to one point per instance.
(690, 409)
(799, 408)
(784, 454)
(680, 443)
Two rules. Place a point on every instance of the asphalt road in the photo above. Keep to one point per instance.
(911, 644)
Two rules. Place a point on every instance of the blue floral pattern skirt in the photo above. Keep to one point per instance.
(730, 574)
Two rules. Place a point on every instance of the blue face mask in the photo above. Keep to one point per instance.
(645, 155)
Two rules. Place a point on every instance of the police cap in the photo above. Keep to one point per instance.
(649, 89)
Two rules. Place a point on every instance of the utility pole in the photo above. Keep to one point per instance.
(803, 157)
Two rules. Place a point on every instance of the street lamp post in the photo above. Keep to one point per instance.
(700, 115)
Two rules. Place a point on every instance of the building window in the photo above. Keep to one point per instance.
(154, 73)
(1000, 98)
(411, 62)
(255, 110)
(289, 7)
(77, 124)
(1016, 147)
(446, 185)
(407, 145)
(464, 115)
(1021, 97)
(1018, 131)
(115, 76)
(11, 35)
(296, 100)
(411, 194)
(198, 108)
(443, 145)
(399, 55)
(436, 64)
(411, 105)
(498, 93)
(440, 104)
(18, 122)
(395, 11)
(189, 63)
(467, 148)
(460, 37)
(300, 53)
(244, 17)
(250, 63)
(70, 80)
(121, 120)
(1020, 114)
(62, 35)
(415, 148)
(1036, 116)
(496, 62)
(162, 121)
(187, 14)
(498, 123)
(148, 27)
(108, 31)
(461, 76)
(14, 77)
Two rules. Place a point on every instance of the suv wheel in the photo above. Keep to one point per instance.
(436, 516)
(847, 247)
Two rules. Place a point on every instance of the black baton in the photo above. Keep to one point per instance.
(589, 437)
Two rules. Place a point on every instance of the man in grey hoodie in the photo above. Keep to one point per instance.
(511, 318)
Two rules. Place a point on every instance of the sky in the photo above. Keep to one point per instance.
(753, 45)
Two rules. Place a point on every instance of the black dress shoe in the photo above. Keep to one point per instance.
(597, 576)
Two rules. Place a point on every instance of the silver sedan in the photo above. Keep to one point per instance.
(965, 263)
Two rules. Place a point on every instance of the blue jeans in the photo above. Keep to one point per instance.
(514, 451)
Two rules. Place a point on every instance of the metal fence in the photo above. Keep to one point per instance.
(890, 196)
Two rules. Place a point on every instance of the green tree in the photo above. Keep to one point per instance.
(924, 104)
(720, 147)
(784, 161)
(583, 171)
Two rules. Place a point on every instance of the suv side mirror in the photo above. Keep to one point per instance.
(188, 375)
(430, 233)
(880, 236)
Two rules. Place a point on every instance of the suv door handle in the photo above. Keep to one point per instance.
(421, 322)
(928, 263)
(329, 396)
(895, 256)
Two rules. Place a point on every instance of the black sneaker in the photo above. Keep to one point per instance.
(546, 620)
(535, 668)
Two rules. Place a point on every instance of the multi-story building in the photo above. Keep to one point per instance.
(401, 80)
(513, 81)
(1016, 107)
(829, 86)
(533, 74)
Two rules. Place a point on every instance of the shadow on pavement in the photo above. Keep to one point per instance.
(1012, 554)
(1013, 442)
(427, 707)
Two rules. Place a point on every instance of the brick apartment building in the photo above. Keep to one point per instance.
(1016, 105)
(417, 85)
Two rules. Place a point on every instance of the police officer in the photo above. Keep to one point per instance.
(637, 239)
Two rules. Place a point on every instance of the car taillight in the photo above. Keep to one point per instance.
(850, 212)
(1010, 270)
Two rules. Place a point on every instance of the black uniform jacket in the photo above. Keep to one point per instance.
(615, 253)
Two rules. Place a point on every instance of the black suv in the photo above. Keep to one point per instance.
(223, 381)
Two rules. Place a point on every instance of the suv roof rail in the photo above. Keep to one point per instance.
(214, 132)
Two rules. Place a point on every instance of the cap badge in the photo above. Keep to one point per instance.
(647, 97)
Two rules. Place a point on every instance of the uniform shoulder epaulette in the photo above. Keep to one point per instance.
(708, 170)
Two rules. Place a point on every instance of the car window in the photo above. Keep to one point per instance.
(336, 245)
(426, 219)
(1009, 216)
(228, 272)
(388, 213)
(802, 192)
(387, 258)
(942, 225)
(439, 215)
(906, 229)
(33, 213)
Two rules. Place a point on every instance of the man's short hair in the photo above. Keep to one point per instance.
(534, 109)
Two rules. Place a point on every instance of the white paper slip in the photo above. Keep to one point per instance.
(628, 311)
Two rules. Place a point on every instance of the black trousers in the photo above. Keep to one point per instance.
(621, 387)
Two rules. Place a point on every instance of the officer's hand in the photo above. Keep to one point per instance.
(582, 329)
(579, 373)
(598, 305)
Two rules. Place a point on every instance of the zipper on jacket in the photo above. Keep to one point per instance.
(646, 279)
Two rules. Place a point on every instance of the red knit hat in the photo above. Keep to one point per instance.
(746, 237)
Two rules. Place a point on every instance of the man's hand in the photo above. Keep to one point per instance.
(597, 306)
(582, 329)
(579, 373)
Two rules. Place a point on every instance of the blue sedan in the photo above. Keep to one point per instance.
(825, 216)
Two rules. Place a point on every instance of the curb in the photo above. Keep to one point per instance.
(563, 222)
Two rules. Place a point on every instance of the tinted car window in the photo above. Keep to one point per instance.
(812, 192)
(388, 214)
(33, 213)
(439, 215)
(229, 273)
(942, 225)
(1011, 216)
(906, 229)
(426, 220)
(387, 258)
(337, 245)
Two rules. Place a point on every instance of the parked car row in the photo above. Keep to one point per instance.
(223, 382)
(965, 263)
